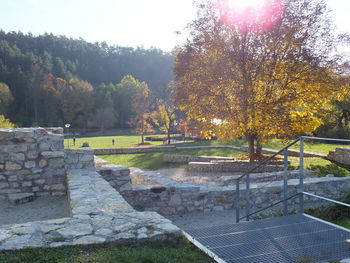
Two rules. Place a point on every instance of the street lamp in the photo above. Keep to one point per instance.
(67, 127)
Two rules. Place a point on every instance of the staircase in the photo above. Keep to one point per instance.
(298, 238)
(288, 239)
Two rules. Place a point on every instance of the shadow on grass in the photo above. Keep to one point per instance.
(178, 251)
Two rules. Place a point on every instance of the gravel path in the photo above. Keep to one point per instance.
(42, 208)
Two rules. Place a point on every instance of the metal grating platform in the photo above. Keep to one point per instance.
(296, 238)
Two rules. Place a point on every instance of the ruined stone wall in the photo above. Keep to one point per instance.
(340, 155)
(185, 198)
(79, 159)
(32, 161)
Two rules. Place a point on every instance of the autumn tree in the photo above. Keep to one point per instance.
(5, 123)
(5, 98)
(258, 71)
(77, 102)
(141, 107)
(164, 116)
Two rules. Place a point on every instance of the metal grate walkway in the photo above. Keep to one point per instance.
(296, 238)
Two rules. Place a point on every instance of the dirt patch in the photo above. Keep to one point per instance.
(42, 208)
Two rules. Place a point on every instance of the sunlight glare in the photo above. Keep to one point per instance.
(244, 4)
(251, 15)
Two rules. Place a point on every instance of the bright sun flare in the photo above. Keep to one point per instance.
(244, 4)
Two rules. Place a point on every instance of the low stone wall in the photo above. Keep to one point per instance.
(79, 158)
(179, 158)
(118, 177)
(127, 150)
(269, 177)
(340, 155)
(234, 167)
(169, 200)
(32, 162)
(99, 214)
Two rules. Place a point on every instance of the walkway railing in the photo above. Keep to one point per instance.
(286, 196)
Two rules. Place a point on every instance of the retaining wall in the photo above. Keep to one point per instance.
(170, 200)
(233, 166)
(340, 155)
(179, 158)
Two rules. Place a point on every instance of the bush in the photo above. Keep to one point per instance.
(332, 212)
(334, 169)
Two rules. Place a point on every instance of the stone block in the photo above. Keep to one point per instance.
(17, 157)
(29, 164)
(42, 163)
(21, 198)
(53, 154)
(26, 183)
(12, 166)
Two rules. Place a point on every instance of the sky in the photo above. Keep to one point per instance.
(147, 23)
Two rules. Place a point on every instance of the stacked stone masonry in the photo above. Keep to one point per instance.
(32, 162)
(169, 197)
(99, 214)
(179, 158)
(79, 159)
(340, 155)
(233, 166)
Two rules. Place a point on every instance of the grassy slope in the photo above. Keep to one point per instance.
(154, 161)
(180, 251)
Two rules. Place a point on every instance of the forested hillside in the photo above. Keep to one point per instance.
(54, 79)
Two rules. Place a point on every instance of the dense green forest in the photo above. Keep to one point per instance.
(50, 80)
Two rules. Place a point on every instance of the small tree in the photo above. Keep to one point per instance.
(164, 116)
(5, 123)
(141, 107)
(5, 98)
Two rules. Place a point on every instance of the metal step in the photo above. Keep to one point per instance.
(297, 238)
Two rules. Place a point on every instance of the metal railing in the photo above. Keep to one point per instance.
(262, 163)
(286, 196)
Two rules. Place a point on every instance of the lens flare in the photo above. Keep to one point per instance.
(250, 15)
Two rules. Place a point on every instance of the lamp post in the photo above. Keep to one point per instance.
(67, 127)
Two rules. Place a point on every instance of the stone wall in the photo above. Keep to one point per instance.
(99, 214)
(233, 166)
(127, 150)
(169, 200)
(31, 162)
(340, 155)
(180, 158)
(79, 159)
(118, 177)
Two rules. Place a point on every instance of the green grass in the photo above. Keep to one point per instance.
(106, 141)
(180, 251)
(154, 160)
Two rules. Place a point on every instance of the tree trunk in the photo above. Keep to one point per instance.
(250, 139)
(169, 136)
(258, 151)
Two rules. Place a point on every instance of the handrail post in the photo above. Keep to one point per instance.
(301, 175)
(237, 201)
(285, 183)
(247, 208)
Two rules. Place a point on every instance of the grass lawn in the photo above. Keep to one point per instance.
(180, 251)
(106, 141)
(154, 160)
